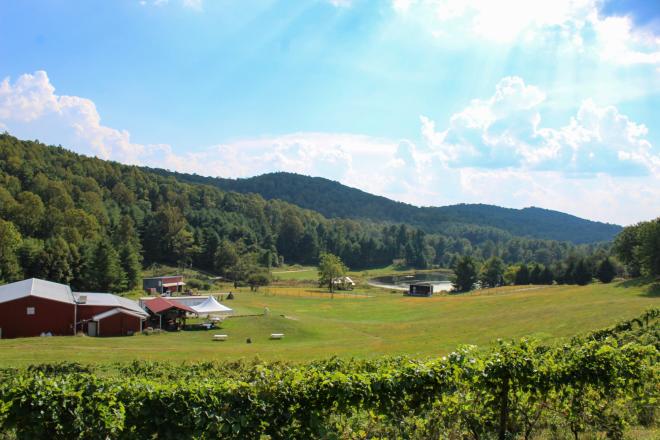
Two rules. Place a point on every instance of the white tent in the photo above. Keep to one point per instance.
(211, 306)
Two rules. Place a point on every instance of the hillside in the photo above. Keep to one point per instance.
(94, 224)
(335, 200)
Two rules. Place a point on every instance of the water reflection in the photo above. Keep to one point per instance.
(439, 280)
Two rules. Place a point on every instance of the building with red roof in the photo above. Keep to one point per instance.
(167, 313)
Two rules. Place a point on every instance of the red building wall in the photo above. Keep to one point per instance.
(118, 325)
(50, 316)
(175, 279)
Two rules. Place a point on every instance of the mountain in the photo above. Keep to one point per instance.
(334, 200)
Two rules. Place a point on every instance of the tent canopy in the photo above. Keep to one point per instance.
(211, 306)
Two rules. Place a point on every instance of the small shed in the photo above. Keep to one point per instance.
(167, 314)
(163, 285)
(420, 289)
(115, 322)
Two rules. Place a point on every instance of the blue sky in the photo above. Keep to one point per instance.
(432, 102)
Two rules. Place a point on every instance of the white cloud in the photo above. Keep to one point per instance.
(505, 132)
(29, 107)
(575, 24)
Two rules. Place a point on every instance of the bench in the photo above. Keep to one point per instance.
(219, 337)
(276, 335)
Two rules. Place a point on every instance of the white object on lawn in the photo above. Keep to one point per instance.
(220, 337)
(276, 335)
(211, 306)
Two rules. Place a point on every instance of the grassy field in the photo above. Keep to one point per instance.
(359, 324)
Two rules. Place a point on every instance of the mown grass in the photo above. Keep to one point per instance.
(362, 324)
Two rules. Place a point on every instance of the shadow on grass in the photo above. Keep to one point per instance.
(652, 285)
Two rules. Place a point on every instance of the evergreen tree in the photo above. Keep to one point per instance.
(465, 274)
(32, 258)
(546, 276)
(522, 276)
(581, 274)
(131, 264)
(492, 273)
(535, 275)
(103, 272)
(58, 262)
(10, 240)
(606, 271)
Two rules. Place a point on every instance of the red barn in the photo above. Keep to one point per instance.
(34, 307)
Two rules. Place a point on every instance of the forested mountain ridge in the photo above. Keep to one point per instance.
(94, 224)
(334, 200)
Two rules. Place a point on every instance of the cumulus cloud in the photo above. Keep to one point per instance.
(505, 131)
(30, 107)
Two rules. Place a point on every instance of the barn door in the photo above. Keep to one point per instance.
(91, 328)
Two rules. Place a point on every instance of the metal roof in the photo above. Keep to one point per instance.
(38, 288)
(112, 312)
(109, 300)
(159, 305)
(160, 278)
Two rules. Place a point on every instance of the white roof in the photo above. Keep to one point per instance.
(211, 306)
(112, 312)
(38, 288)
(190, 301)
(108, 299)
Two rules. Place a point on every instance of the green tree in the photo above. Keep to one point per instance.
(258, 279)
(226, 256)
(522, 276)
(32, 258)
(58, 261)
(547, 277)
(10, 240)
(536, 274)
(29, 213)
(330, 267)
(131, 264)
(581, 274)
(649, 247)
(492, 272)
(606, 271)
(465, 274)
(103, 269)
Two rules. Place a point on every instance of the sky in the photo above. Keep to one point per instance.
(554, 104)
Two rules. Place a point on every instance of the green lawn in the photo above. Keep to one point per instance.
(295, 273)
(359, 324)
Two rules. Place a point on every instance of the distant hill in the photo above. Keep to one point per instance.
(334, 200)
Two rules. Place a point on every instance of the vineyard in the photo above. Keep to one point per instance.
(602, 382)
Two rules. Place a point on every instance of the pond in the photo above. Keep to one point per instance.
(440, 281)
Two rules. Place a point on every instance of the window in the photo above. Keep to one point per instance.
(30, 311)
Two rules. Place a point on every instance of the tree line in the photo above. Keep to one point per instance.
(470, 273)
